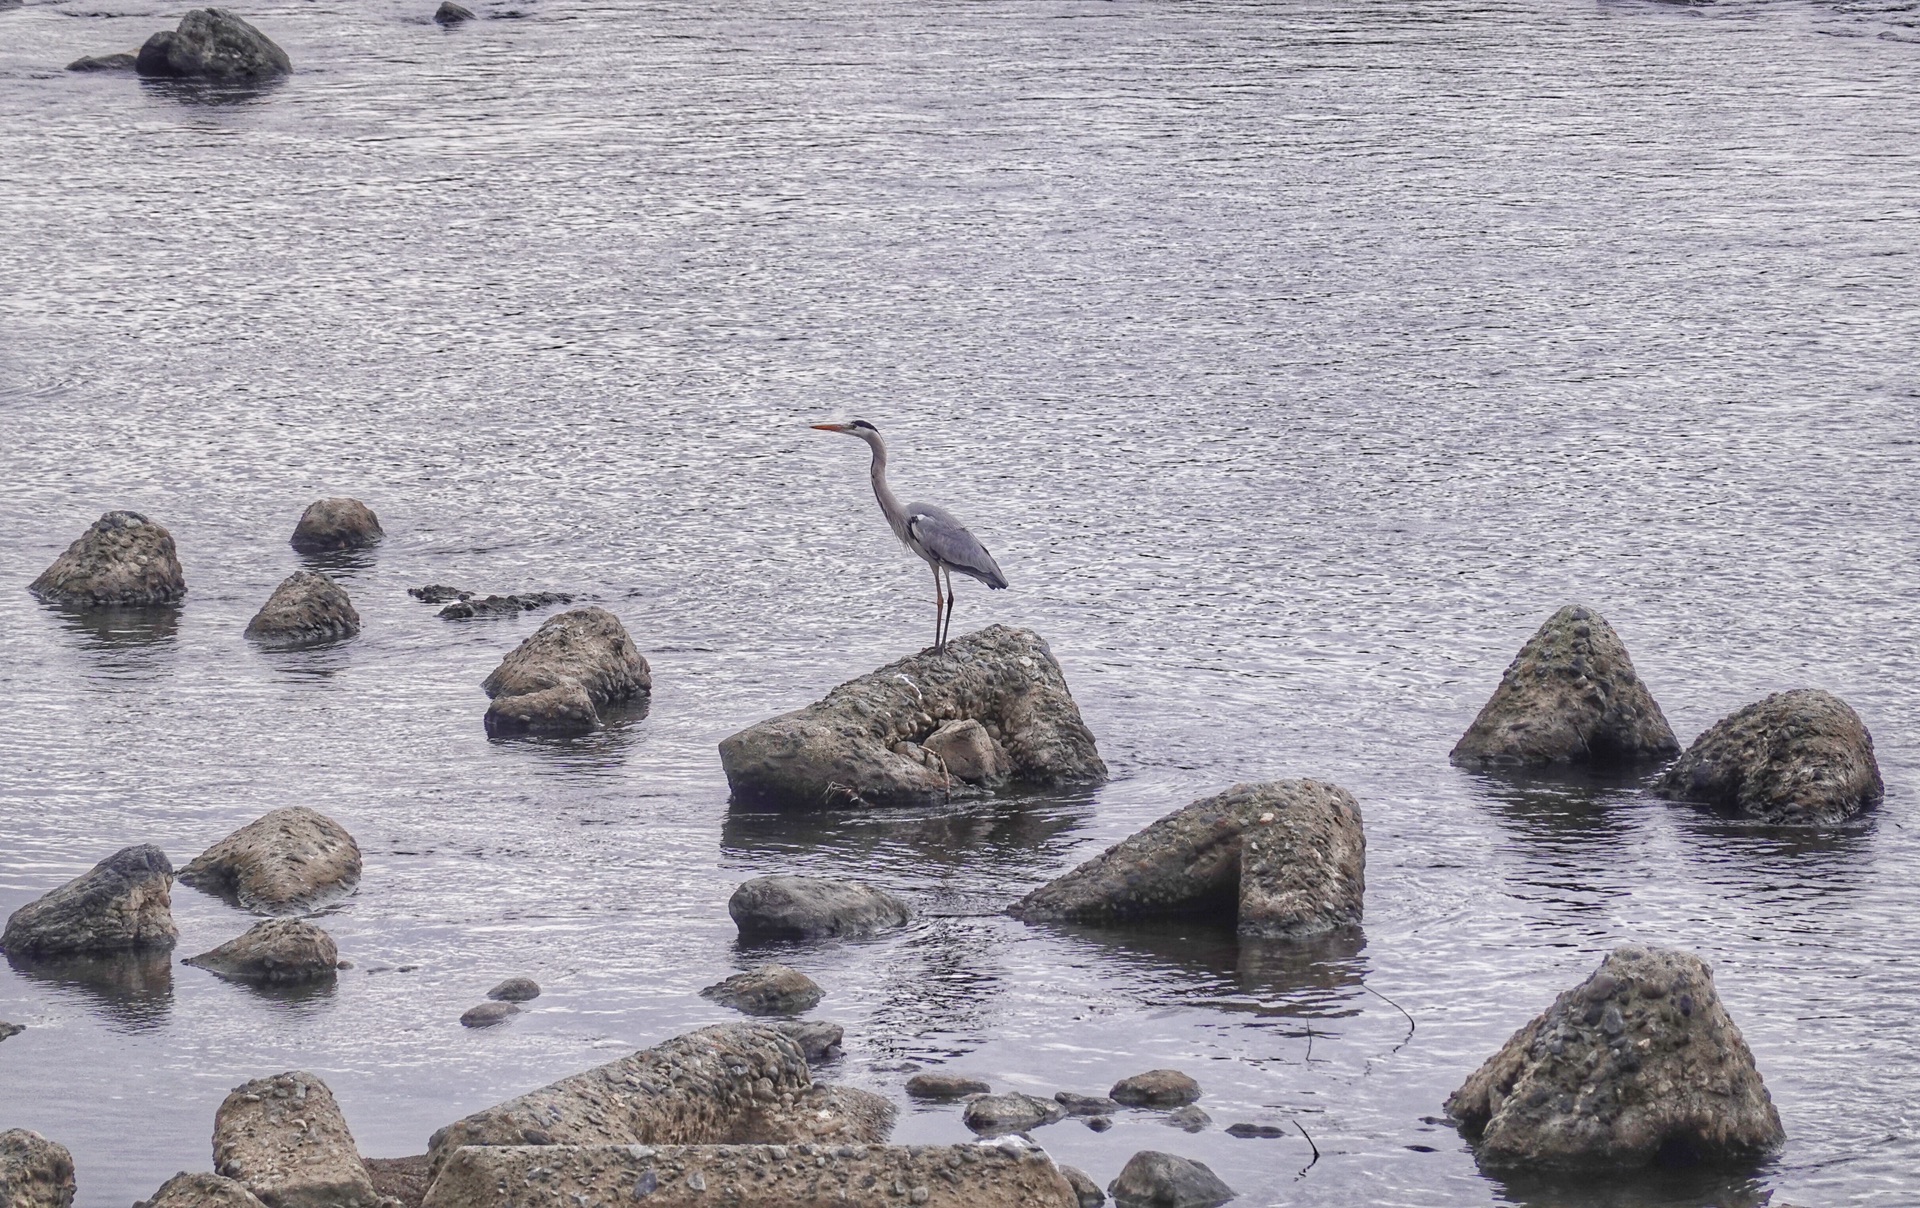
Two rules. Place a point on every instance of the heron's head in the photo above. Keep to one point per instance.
(859, 427)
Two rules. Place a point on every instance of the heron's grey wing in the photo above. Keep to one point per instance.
(938, 533)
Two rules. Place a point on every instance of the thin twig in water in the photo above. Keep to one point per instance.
(1309, 1057)
(1411, 1025)
(1315, 1148)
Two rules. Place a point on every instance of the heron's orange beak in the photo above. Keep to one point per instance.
(830, 427)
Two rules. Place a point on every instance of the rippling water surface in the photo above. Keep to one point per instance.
(1296, 361)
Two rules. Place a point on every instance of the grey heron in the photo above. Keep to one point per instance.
(932, 532)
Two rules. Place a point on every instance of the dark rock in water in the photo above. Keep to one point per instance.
(123, 558)
(213, 44)
(1084, 1188)
(1638, 1064)
(466, 607)
(487, 1014)
(515, 989)
(10, 1029)
(284, 1139)
(736, 1082)
(937, 1086)
(1099, 1123)
(1152, 1179)
(186, 1190)
(818, 1039)
(450, 13)
(288, 860)
(121, 61)
(439, 593)
(276, 952)
(785, 907)
(335, 524)
(1250, 1132)
(1156, 1088)
(1010, 1113)
(1086, 1105)
(1796, 757)
(124, 903)
(768, 990)
(34, 1172)
(1569, 696)
(861, 746)
(307, 608)
(1192, 1118)
(558, 680)
(1285, 858)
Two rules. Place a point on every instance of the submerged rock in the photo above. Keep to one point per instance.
(1086, 1105)
(487, 1014)
(1569, 696)
(119, 61)
(439, 593)
(123, 903)
(1640, 1063)
(515, 989)
(564, 674)
(1255, 1132)
(1152, 1179)
(212, 44)
(123, 558)
(1192, 1118)
(688, 1176)
(283, 1138)
(1796, 757)
(767, 990)
(1010, 1113)
(1287, 858)
(786, 907)
(1156, 1088)
(284, 861)
(733, 1082)
(937, 1085)
(10, 1029)
(276, 952)
(862, 745)
(305, 609)
(186, 1190)
(450, 13)
(466, 607)
(34, 1172)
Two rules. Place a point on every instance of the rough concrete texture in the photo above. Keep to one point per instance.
(185, 1190)
(1796, 757)
(565, 674)
(289, 860)
(767, 990)
(306, 609)
(1570, 696)
(786, 907)
(732, 1083)
(214, 45)
(123, 903)
(123, 558)
(1084, 1188)
(818, 1039)
(747, 1176)
(284, 1139)
(1152, 1179)
(34, 1172)
(861, 745)
(331, 524)
(1285, 858)
(1639, 1063)
(278, 951)
(968, 751)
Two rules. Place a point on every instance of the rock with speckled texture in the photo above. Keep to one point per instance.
(306, 609)
(275, 952)
(34, 1172)
(122, 904)
(1799, 757)
(565, 675)
(123, 559)
(185, 1190)
(284, 861)
(283, 1139)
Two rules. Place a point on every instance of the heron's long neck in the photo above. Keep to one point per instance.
(890, 505)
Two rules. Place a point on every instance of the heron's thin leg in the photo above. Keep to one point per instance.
(939, 605)
(946, 630)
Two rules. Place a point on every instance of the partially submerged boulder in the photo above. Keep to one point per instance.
(1085, 1189)
(450, 13)
(558, 680)
(515, 989)
(818, 1039)
(788, 907)
(1152, 1179)
(185, 1190)
(122, 559)
(466, 607)
(488, 1013)
(119, 61)
(214, 45)
(767, 990)
(283, 1138)
(804, 1176)
(1796, 757)
(281, 863)
(864, 744)
(123, 903)
(306, 608)
(938, 1085)
(34, 1172)
(1638, 1064)
(1570, 696)
(274, 952)
(1012, 1112)
(1286, 858)
(732, 1083)
(10, 1029)
(1086, 1105)
(1156, 1088)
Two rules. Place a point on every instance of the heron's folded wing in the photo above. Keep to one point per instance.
(948, 540)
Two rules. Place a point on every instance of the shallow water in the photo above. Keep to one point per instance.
(1295, 361)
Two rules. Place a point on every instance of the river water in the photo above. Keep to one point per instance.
(1295, 360)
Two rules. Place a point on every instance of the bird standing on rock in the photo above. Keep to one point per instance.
(932, 532)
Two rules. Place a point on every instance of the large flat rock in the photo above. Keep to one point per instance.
(865, 743)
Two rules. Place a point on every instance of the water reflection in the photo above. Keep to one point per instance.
(1201, 963)
(133, 634)
(1780, 862)
(301, 661)
(604, 747)
(343, 564)
(1559, 807)
(199, 92)
(1659, 1187)
(132, 989)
